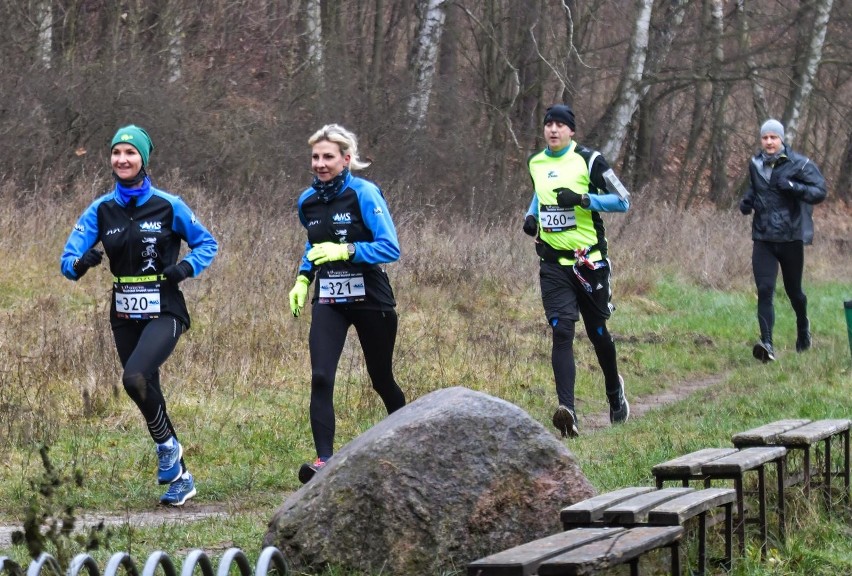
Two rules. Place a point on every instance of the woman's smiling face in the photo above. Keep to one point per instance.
(126, 161)
(327, 161)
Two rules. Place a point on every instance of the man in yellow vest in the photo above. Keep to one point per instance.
(573, 185)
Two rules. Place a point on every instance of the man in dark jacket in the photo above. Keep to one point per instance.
(783, 187)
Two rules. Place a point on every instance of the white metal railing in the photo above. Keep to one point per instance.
(270, 558)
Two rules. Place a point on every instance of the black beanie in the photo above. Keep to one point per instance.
(560, 113)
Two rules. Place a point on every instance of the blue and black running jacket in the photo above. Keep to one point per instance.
(358, 215)
(141, 241)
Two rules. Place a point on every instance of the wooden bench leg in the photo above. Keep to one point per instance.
(634, 567)
(781, 465)
(846, 495)
(761, 495)
(738, 486)
(676, 558)
(702, 543)
(729, 536)
(807, 471)
(828, 473)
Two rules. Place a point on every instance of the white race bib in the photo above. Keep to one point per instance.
(556, 218)
(340, 287)
(137, 298)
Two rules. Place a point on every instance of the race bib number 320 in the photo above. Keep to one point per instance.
(557, 218)
(340, 287)
(139, 301)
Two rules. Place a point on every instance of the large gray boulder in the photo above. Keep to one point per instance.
(453, 476)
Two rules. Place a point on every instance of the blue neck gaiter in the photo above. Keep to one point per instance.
(126, 193)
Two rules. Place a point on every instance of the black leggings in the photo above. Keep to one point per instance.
(564, 366)
(766, 257)
(377, 334)
(142, 347)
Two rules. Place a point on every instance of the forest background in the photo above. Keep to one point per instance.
(446, 96)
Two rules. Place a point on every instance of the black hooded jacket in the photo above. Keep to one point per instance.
(783, 203)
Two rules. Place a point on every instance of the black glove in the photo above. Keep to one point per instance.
(789, 187)
(567, 198)
(91, 258)
(530, 226)
(746, 206)
(177, 273)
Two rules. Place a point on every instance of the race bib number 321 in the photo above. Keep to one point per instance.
(340, 287)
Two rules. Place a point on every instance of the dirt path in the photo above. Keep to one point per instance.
(192, 512)
(155, 517)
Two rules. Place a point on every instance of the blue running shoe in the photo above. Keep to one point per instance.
(169, 454)
(179, 491)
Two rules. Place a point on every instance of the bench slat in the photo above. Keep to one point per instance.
(592, 509)
(691, 463)
(635, 510)
(525, 559)
(813, 432)
(742, 460)
(603, 554)
(682, 508)
(766, 434)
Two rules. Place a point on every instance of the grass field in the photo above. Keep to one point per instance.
(470, 315)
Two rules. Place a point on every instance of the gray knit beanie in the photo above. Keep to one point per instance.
(772, 126)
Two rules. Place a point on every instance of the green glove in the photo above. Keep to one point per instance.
(328, 252)
(298, 295)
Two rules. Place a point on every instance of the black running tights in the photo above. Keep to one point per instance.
(765, 259)
(377, 333)
(142, 347)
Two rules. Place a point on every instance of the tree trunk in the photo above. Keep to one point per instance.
(758, 95)
(313, 31)
(719, 99)
(428, 41)
(803, 83)
(620, 112)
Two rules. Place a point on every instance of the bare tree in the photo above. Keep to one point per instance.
(803, 83)
(618, 116)
(313, 25)
(758, 93)
(428, 41)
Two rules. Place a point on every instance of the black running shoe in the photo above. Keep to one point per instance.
(803, 337)
(763, 351)
(307, 471)
(620, 415)
(565, 421)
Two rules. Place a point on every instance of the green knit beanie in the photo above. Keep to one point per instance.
(136, 137)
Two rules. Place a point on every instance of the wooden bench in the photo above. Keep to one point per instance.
(678, 511)
(582, 551)
(688, 467)
(731, 464)
(636, 506)
(803, 435)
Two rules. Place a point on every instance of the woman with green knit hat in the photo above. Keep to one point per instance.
(140, 229)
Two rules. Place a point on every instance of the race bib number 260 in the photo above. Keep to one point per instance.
(557, 218)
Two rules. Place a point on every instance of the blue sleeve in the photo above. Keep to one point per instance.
(306, 267)
(84, 235)
(533, 209)
(374, 210)
(608, 203)
(203, 247)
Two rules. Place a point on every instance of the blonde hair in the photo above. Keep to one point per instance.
(346, 140)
